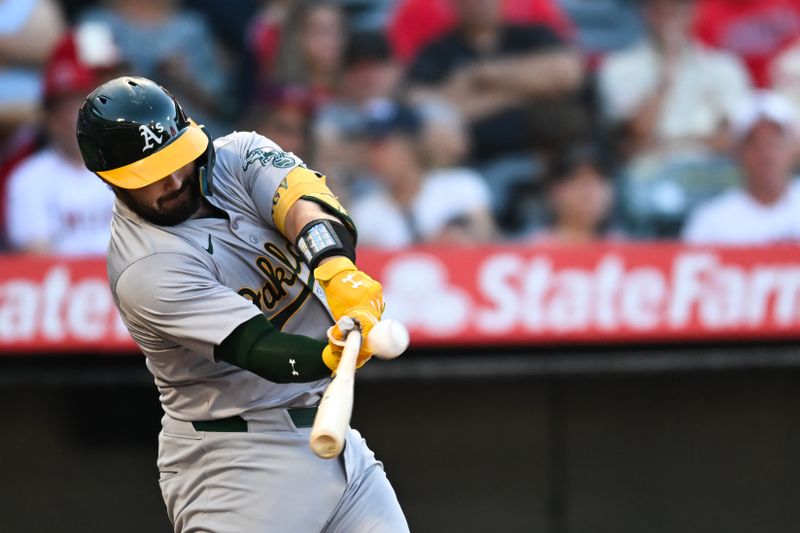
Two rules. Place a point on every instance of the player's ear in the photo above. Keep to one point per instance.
(119, 192)
(205, 166)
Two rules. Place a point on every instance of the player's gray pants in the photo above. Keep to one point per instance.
(268, 480)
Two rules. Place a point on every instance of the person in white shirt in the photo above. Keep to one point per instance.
(767, 208)
(670, 95)
(410, 203)
(53, 204)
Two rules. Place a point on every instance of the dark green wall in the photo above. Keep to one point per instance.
(701, 452)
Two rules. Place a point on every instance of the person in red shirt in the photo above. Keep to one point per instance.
(26, 141)
(755, 30)
(416, 23)
(264, 36)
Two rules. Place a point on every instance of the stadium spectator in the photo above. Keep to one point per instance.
(767, 208)
(605, 26)
(55, 205)
(28, 31)
(264, 36)
(312, 48)
(515, 84)
(416, 23)
(370, 69)
(370, 73)
(784, 74)
(754, 30)
(227, 20)
(670, 94)
(411, 203)
(283, 114)
(444, 136)
(22, 144)
(579, 197)
(174, 47)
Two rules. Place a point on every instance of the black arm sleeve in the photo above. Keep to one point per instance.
(257, 346)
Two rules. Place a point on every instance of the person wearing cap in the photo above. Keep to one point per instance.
(412, 204)
(53, 204)
(579, 197)
(766, 209)
(370, 72)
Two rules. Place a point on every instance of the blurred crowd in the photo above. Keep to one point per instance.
(436, 121)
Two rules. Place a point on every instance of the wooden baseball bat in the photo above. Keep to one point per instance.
(336, 406)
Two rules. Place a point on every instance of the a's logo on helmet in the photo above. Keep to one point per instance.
(149, 136)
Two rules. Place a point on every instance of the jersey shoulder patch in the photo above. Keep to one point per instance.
(268, 156)
(252, 149)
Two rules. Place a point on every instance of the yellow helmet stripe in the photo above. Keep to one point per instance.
(190, 145)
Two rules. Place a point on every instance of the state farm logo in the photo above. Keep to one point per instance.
(512, 294)
(418, 293)
(695, 290)
(57, 308)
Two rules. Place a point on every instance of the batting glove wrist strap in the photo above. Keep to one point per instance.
(336, 339)
(340, 265)
(325, 238)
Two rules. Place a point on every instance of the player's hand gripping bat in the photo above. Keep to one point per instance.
(389, 339)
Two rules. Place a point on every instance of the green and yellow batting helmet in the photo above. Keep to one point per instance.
(132, 132)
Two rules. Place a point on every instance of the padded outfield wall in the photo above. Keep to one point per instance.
(618, 447)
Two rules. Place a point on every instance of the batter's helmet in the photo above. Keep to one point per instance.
(133, 132)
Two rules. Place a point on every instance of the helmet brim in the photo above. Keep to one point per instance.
(181, 151)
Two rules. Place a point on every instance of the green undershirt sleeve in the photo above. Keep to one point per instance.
(257, 346)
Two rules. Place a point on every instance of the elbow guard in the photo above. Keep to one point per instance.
(305, 184)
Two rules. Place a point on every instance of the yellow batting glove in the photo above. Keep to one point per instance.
(351, 292)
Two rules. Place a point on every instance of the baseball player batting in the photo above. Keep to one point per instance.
(230, 263)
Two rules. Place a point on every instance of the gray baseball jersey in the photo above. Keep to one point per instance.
(182, 289)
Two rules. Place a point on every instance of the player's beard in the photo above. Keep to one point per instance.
(180, 210)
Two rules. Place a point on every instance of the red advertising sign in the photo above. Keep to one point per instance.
(475, 296)
(54, 304)
(620, 293)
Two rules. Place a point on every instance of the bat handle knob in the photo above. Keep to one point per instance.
(346, 324)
